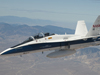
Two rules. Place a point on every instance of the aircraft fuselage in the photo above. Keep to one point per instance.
(54, 42)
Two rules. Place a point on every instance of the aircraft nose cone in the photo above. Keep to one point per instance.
(0, 54)
(16, 51)
(5, 52)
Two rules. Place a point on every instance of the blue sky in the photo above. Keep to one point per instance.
(55, 10)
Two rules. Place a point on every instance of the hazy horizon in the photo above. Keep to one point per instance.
(63, 12)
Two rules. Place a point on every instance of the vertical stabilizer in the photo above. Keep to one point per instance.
(81, 28)
(95, 29)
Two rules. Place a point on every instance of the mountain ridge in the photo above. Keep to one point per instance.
(10, 29)
(24, 20)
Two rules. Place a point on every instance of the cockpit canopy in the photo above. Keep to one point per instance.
(41, 35)
(37, 36)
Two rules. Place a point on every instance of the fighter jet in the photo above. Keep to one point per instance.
(63, 45)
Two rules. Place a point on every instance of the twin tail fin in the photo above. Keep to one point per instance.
(95, 29)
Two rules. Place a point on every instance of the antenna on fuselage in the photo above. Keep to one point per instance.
(42, 52)
(20, 55)
(65, 33)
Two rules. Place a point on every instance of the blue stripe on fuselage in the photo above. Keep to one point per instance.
(40, 46)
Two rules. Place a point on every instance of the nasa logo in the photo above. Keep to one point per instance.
(96, 25)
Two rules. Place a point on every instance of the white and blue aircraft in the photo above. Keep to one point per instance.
(64, 45)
